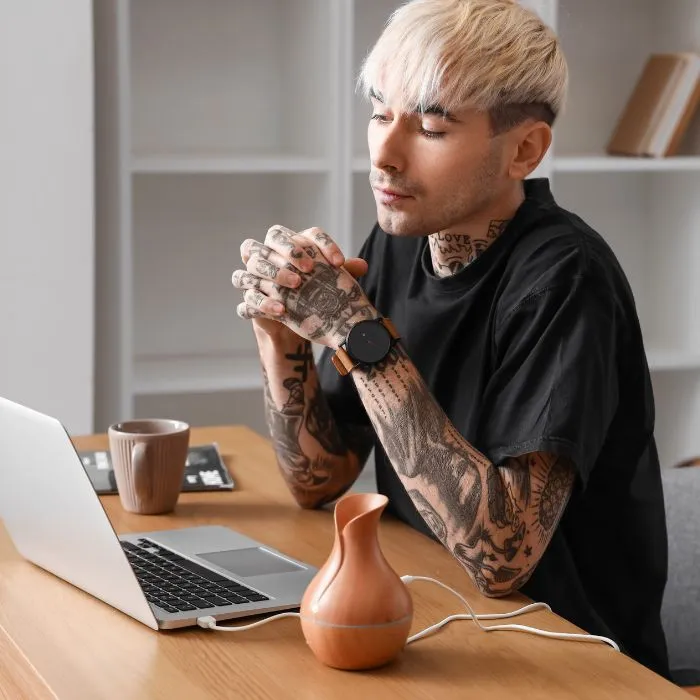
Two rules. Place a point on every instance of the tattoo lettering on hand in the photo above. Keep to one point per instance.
(322, 238)
(246, 280)
(310, 251)
(429, 514)
(283, 240)
(266, 269)
(262, 251)
(320, 424)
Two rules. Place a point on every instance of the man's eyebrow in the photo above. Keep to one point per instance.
(431, 109)
(440, 112)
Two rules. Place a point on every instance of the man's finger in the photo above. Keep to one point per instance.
(281, 239)
(258, 300)
(241, 279)
(357, 267)
(248, 312)
(330, 249)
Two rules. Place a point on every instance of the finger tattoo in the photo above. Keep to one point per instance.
(282, 239)
(261, 250)
(322, 238)
(267, 269)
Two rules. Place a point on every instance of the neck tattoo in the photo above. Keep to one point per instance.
(452, 252)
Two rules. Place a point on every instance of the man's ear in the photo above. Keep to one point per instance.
(532, 140)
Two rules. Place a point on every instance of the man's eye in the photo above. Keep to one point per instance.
(431, 134)
(382, 118)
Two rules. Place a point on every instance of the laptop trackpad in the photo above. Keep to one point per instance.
(250, 562)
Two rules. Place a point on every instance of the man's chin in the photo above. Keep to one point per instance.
(397, 225)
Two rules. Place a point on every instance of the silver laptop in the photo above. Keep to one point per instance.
(166, 578)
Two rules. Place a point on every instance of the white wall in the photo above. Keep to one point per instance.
(46, 208)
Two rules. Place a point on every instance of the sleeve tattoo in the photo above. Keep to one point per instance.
(495, 519)
(310, 473)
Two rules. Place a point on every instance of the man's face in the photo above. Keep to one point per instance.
(432, 172)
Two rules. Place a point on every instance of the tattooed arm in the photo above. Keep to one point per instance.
(497, 520)
(318, 458)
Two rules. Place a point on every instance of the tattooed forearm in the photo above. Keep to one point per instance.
(495, 519)
(316, 462)
(429, 514)
(320, 424)
(452, 252)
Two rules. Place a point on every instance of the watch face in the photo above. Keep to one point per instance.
(368, 342)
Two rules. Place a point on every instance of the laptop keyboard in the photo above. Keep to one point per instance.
(176, 584)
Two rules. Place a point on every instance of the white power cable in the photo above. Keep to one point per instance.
(208, 622)
(492, 628)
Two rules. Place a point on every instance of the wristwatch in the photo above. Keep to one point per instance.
(367, 343)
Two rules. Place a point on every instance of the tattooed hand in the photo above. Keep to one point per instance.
(303, 281)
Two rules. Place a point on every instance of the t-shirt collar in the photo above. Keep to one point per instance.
(538, 194)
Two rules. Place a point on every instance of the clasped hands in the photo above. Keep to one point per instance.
(303, 281)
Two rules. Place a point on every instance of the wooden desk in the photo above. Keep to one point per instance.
(67, 641)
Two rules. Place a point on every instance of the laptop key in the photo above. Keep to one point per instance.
(235, 599)
(256, 597)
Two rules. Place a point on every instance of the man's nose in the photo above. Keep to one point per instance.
(387, 146)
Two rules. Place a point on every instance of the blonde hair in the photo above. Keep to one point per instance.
(492, 55)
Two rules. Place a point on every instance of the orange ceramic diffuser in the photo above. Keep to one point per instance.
(356, 613)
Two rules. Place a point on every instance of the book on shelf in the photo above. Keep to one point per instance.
(204, 471)
(659, 110)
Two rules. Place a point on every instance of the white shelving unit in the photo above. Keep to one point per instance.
(219, 118)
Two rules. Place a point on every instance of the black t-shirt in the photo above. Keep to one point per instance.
(536, 346)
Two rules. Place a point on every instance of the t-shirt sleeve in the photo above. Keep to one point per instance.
(554, 386)
(341, 392)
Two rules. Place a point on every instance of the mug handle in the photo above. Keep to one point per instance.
(139, 463)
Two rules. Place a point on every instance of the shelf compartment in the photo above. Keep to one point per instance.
(237, 78)
(182, 374)
(187, 235)
(199, 163)
(606, 44)
(607, 164)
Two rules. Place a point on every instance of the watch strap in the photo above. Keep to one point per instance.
(342, 360)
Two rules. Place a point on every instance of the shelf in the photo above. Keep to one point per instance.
(222, 164)
(160, 374)
(233, 77)
(667, 360)
(604, 163)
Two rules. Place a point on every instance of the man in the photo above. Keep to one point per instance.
(513, 420)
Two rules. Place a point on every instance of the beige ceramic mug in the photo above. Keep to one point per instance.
(149, 458)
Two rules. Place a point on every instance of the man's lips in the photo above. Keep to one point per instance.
(390, 192)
